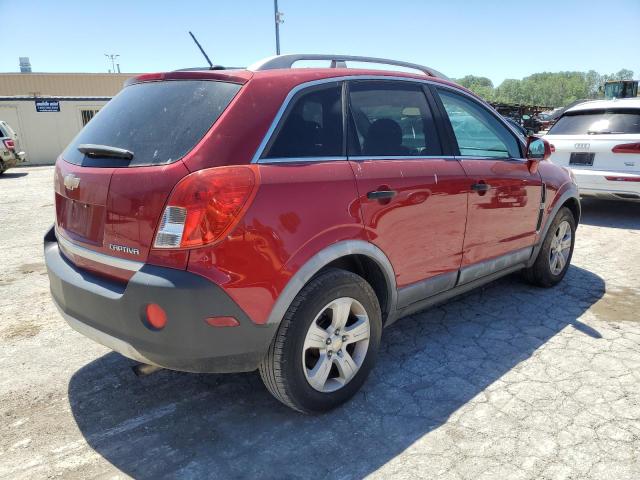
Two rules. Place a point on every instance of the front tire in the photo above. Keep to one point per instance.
(326, 344)
(554, 256)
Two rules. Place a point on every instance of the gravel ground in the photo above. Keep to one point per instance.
(507, 382)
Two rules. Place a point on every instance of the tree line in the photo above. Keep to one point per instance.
(550, 89)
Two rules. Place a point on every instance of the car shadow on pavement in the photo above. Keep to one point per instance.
(610, 213)
(13, 175)
(430, 365)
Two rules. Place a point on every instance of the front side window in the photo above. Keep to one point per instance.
(477, 131)
(312, 126)
(391, 119)
(598, 122)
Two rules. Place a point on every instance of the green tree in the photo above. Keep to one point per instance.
(481, 86)
(551, 89)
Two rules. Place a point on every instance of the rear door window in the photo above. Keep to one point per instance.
(390, 119)
(311, 126)
(595, 122)
(160, 122)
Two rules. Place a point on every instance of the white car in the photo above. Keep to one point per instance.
(600, 142)
(10, 153)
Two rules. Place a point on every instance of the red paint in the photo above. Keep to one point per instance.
(504, 218)
(254, 263)
(433, 225)
(421, 229)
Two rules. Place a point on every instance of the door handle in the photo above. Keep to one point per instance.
(480, 187)
(381, 194)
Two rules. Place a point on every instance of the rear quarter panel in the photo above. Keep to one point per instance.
(299, 210)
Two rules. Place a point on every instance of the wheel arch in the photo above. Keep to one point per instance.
(569, 198)
(356, 256)
(573, 204)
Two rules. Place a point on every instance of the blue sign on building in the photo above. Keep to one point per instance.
(47, 105)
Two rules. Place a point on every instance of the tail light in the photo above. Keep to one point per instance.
(204, 206)
(627, 148)
(9, 144)
(623, 179)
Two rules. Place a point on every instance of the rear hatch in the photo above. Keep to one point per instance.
(112, 181)
(598, 139)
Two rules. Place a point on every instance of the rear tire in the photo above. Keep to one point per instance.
(323, 350)
(554, 256)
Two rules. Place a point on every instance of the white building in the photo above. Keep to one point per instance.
(46, 125)
(48, 109)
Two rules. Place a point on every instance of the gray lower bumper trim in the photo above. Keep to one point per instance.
(102, 338)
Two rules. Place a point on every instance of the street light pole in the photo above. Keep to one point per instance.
(279, 18)
(112, 57)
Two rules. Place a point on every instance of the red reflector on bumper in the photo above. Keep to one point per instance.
(623, 179)
(156, 316)
(222, 321)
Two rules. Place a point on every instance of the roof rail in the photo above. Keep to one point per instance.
(337, 61)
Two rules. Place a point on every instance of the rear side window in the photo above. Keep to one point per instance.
(477, 131)
(594, 122)
(312, 125)
(158, 121)
(391, 120)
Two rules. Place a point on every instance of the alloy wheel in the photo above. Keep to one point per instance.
(336, 344)
(560, 248)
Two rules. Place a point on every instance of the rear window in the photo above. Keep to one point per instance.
(596, 122)
(158, 121)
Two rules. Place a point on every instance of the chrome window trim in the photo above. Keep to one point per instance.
(301, 159)
(83, 252)
(357, 158)
(502, 159)
(276, 120)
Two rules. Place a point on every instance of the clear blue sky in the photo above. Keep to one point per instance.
(497, 39)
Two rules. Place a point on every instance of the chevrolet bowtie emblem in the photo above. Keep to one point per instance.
(71, 182)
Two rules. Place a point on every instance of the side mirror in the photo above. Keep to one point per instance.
(538, 149)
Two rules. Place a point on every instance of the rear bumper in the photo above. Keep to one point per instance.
(11, 159)
(595, 183)
(111, 313)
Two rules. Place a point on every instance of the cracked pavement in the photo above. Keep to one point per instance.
(509, 381)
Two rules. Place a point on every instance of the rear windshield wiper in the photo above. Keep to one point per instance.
(92, 150)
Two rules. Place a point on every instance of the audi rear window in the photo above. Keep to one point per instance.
(159, 122)
(598, 122)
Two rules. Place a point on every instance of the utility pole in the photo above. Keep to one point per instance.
(279, 18)
(112, 57)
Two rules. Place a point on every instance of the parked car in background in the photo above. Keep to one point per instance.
(277, 218)
(600, 141)
(517, 127)
(10, 153)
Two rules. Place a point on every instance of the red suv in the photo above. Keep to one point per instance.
(277, 218)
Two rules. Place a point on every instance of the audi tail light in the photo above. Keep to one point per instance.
(627, 148)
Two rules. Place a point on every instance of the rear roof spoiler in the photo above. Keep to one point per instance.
(337, 61)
